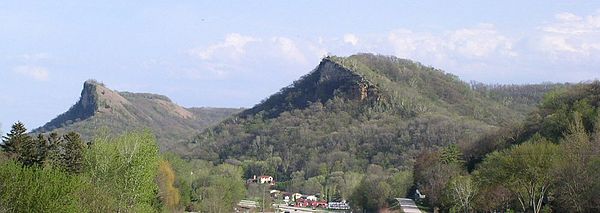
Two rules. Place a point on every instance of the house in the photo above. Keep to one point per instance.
(311, 197)
(266, 180)
(261, 179)
(302, 202)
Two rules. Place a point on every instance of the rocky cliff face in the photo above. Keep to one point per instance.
(86, 107)
(100, 107)
(345, 82)
(328, 81)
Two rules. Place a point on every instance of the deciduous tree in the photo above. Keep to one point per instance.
(526, 170)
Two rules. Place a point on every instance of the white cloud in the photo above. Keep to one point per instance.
(571, 36)
(289, 49)
(408, 44)
(474, 43)
(234, 46)
(34, 72)
(351, 39)
(480, 41)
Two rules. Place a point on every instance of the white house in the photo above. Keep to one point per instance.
(265, 179)
(311, 197)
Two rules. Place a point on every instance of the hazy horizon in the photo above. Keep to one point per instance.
(234, 54)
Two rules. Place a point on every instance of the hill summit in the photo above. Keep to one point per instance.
(102, 108)
(364, 109)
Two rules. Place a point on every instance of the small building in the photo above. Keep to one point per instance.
(266, 180)
(262, 180)
(296, 196)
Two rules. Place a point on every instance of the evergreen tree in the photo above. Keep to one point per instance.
(40, 149)
(451, 154)
(53, 153)
(72, 158)
(25, 152)
(12, 140)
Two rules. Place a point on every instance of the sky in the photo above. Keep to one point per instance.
(237, 53)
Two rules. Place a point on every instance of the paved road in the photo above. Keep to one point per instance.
(408, 205)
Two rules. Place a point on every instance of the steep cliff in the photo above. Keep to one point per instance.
(329, 80)
(101, 109)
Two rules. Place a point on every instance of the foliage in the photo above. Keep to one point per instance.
(370, 195)
(377, 187)
(12, 142)
(165, 180)
(73, 152)
(460, 193)
(550, 120)
(526, 170)
(34, 189)
(433, 171)
(218, 188)
(125, 168)
(577, 172)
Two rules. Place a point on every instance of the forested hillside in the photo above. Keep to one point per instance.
(102, 109)
(548, 162)
(353, 113)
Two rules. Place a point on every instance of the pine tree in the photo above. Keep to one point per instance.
(53, 154)
(26, 152)
(13, 140)
(451, 154)
(72, 158)
(40, 149)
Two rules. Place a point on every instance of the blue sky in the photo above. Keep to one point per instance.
(236, 53)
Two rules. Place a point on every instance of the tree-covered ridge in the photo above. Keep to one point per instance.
(521, 98)
(351, 112)
(414, 89)
(116, 112)
(548, 162)
(555, 112)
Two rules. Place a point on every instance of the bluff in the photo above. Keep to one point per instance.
(100, 109)
(353, 111)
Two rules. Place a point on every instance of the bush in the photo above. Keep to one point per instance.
(33, 189)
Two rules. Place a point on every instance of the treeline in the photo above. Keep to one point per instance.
(522, 98)
(126, 173)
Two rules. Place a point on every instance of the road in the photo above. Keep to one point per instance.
(408, 205)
